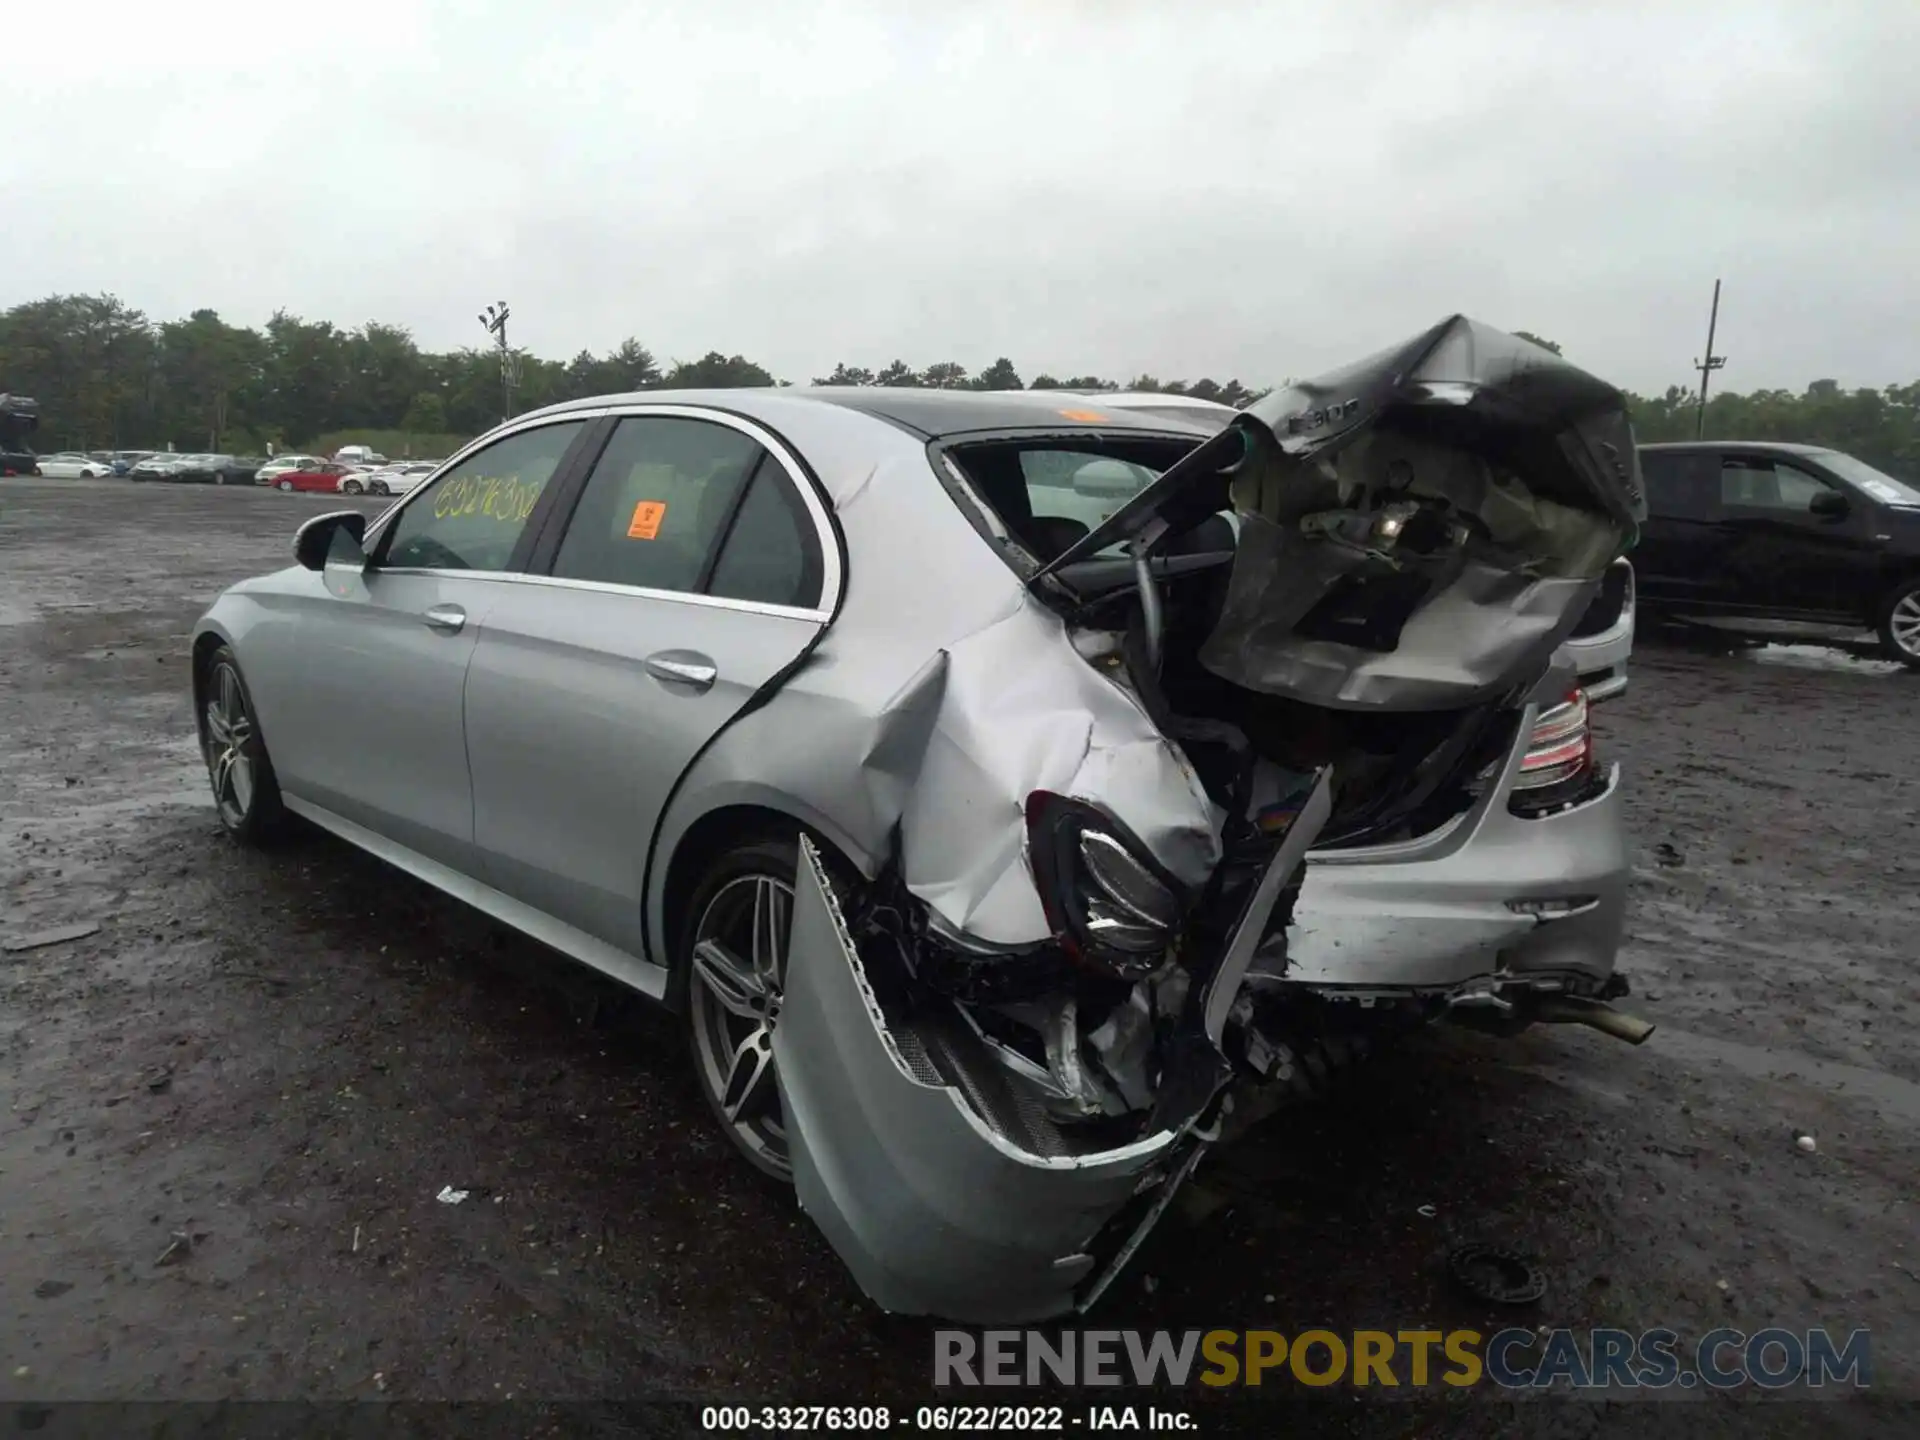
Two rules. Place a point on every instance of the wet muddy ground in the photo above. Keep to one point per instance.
(228, 1110)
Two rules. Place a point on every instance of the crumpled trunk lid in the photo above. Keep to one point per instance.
(1419, 530)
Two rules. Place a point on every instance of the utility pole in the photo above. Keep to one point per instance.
(494, 320)
(1707, 366)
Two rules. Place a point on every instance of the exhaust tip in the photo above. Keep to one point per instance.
(1595, 1015)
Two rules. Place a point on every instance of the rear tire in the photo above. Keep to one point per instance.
(246, 793)
(378, 487)
(1900, 624)
(733, 952)
(353, 487)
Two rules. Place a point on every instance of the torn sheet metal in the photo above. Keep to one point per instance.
(932, 1209)
(1418, 530)
(1422, 529)
(958, 749)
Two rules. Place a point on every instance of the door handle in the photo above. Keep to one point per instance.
(445, 618)
(683, 667)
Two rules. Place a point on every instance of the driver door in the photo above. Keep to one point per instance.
(379, 654)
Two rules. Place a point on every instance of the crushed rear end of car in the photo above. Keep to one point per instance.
(1088, 955)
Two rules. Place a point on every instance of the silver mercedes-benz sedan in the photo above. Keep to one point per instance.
(950, 761)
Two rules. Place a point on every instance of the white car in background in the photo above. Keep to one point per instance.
(391, 479)
(67, 465)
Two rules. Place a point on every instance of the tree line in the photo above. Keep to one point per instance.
(108, 377)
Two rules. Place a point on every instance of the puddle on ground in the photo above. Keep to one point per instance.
(1831, 658)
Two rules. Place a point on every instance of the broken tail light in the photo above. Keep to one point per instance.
(1111, 905)
(1559, 756)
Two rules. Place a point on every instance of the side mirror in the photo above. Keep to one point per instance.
(336, 537)
(1828, 505)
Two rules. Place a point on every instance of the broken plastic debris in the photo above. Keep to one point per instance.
(1495, 1275)
(450, 1196)
(1427, 1211)
(1807, 1143)
(57, 936)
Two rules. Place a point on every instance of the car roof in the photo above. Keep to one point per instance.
(1785, 447)
(929, 414)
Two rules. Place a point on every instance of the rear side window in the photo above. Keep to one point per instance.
(1681, 485)
(693, 506)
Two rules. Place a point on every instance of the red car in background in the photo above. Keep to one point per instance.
(324, 477)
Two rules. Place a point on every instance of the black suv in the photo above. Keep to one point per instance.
(19, 418)
(1781, 532)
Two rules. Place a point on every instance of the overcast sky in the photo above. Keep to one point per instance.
(1176, 187)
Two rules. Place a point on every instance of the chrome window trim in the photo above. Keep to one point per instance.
(831, 578)
(637, 592)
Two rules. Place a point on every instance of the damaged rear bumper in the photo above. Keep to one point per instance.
(1512, 901)
(934, 1209)
(946, 1188)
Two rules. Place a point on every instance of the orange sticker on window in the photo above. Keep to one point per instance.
(647, 516)
(1091, 416)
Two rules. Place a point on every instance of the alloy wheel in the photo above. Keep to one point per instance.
(1903, 625)
(228, 744)
(739, 965)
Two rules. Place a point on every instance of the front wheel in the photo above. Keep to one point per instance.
(734, 954)
(287, 485)
(353, 487)
(378, 487)
(245, 792)
(1900, 624)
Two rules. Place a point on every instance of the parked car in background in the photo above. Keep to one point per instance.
(1766, 531)
(123, 461)
(392, 479)
(280, 464)
(19, 418)
(199, 468)
(966, 851)
(321, 478)
(158, 467)
(71, 465)
(1602, 643)
(358, 455)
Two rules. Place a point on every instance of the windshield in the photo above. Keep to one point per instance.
(1878, 484)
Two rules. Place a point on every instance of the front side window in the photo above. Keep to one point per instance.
(693, 506)
(472, 516)
(1754, 482)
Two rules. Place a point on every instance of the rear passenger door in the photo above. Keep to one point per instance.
(1680, 558)
(690, 567)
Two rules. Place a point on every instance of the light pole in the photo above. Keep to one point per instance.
(1707, 366)
(494, 319)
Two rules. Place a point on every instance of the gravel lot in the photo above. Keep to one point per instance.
(285, 1058)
